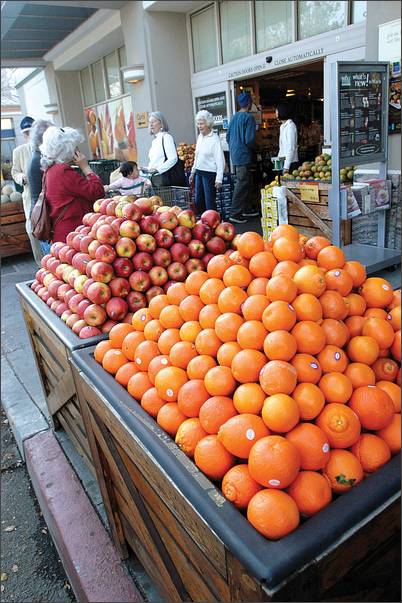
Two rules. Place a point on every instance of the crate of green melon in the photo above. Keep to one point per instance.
(249, 427)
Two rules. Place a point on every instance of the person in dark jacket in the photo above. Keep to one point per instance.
(35, 172)
(240, 138)
(70, 195)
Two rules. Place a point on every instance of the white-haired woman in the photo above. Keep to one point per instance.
(209, 163)
(70, 195)
(163, 154)
(35, 172)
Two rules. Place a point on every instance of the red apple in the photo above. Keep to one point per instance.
(79, 282)
(80, 261)
(78, 325)
(71, 320)
(162, 257)
(103, 205)
(45, 297)
(52, 265)
(140, 281)
(87, 332)
(56, 303)
(62, 253)
(226, 231)
(94, 315)
(149, 224)
(40, 274)
(119, 208)
(69, 255)
(110, 208)
(102, 272)
(187, 218)
(65, 315)
(194, 264)
(46, 258)
(132, 212)
(82, 306)
(116, 308)
(207, 257)
(177, 272)
(105, 253)
(89, 267)
(180, 253)
(62, 290)
(143, 261)
(128, 318)
(146, 242)
(69, 294)
(92, 247)
(62, 307)
(86, 286)
(167, 285)
(129, 228)
(90, 218)
(216, 245)
(55, 248)
(196, 248)
(182, 234)
(158, 276)
(98, 293)
(108, 326)
(120, 287)
(70, 237)
(202, 232)
(48, 278)
(168, 220)
(117, 222)
(97, 204)
(85, 243)
(135, 301)
(164, 238)
(123, 267)
(125, 247)
(211, 218)
(54, 286)
(106, 234)
(72, 276)
(153, 292)
(77, 241)
(74, 301)
(145, 205)
(34, 284)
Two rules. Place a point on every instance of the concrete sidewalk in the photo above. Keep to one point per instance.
(25, 406)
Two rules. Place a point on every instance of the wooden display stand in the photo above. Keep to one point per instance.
(52, 343)
(312, 218)
(197, 546)
(14, 238)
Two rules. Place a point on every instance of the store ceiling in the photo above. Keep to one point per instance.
(306, 81)
(31, 29)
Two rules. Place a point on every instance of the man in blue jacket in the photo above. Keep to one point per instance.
(240, 138)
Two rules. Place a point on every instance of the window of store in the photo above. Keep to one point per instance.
(123, 63)
(273, 21)
(99, 83)
(315, 17)
(203, 33)
(235, 30)
(113, 74)
(359, 11)
(87, 89)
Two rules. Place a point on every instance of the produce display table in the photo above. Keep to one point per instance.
(52, 343)
(312, 218)
(196, 545)
(14, 238)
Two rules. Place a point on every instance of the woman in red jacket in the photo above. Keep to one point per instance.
(70, 195)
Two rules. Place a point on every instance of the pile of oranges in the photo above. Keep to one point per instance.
(276, 370)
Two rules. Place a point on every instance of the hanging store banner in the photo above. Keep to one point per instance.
(117, 137)
(92, 132)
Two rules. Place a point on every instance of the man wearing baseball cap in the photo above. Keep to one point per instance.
(240, 138)
(21, 159)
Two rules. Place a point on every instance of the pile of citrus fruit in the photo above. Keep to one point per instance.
(276, 370)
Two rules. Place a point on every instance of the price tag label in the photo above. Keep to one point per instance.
(309, 192)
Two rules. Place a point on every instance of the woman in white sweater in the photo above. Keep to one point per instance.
(162, 154)
(209, 163)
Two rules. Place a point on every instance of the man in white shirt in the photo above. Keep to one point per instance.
(22, 156)
(287, 138)
(209, 163)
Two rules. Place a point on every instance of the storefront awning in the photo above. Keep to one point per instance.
(31, 28)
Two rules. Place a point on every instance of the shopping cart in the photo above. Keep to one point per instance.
(180, 196)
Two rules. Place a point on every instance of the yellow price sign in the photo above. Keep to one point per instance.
(309, 191)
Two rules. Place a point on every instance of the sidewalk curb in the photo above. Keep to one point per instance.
(88, 555)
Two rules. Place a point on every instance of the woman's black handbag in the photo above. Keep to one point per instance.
(173, 177)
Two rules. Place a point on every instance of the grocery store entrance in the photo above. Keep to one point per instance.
(302, 87)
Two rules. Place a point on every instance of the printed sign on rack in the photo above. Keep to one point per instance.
(309, 191)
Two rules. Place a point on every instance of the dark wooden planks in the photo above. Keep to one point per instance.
(13, 236)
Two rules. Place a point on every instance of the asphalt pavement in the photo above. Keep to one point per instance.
(31, 569)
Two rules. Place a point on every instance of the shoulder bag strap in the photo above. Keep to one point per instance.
(163, 147)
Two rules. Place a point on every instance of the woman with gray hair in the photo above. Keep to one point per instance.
(69, 194)
(209, 163)
(163, 154)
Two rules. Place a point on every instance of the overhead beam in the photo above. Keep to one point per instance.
(10, 63)
(112, 4)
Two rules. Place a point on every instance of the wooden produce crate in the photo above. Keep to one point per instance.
(13, 237)
(312, 218)
(52, 343)
(196, 545)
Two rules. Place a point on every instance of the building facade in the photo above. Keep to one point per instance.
(192, 55)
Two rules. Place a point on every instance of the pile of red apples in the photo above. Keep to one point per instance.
(126, 252)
